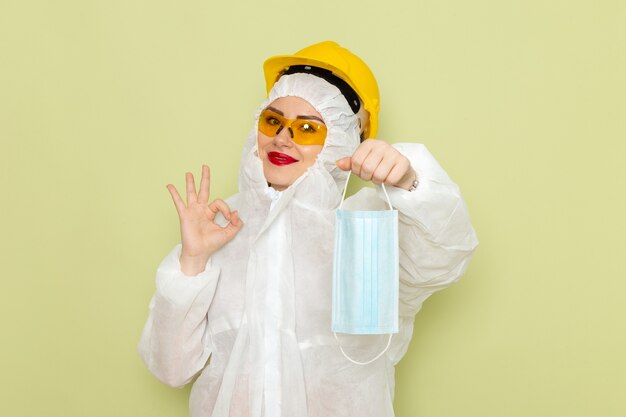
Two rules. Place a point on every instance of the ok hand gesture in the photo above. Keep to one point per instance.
(200, 235)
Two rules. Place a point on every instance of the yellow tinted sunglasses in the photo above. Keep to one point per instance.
(302, 131)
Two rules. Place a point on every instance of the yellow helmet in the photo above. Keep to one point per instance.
(342, 63)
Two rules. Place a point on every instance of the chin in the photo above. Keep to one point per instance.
(282, 177)
(277, 181)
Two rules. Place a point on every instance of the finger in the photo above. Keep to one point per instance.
(219, 206)
(356, 161)
(359, 156)
(370, 164)
(382, 171)
(235, 219)
(344, 164)
(192, 197)
(178, 201)
(234, 226)
(205, 185)
(398, 172)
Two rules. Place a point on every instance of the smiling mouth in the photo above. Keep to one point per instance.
(280, 159)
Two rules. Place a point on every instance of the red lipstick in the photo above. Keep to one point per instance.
(280, 159)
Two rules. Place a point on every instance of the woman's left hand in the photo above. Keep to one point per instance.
(377, 161)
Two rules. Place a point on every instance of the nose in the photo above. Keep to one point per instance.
(284, 136)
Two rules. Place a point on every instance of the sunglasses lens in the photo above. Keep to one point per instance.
(308, 132)
(270, 122)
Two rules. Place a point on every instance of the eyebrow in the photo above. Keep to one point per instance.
(275, 110)
(310, 117)
(297, 117)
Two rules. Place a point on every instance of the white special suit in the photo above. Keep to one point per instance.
(257, 321)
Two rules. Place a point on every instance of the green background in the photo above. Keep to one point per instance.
(523, 102)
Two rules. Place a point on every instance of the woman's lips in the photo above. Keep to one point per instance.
(280, 159)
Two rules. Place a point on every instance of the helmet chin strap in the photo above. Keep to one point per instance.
(348, 92)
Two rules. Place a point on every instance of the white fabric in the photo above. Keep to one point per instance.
(261, 310)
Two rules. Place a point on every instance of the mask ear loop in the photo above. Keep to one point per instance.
(343, 197)
(363, 363)
(345, 188)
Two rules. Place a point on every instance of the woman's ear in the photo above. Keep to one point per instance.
(364, 130)
(364, 122)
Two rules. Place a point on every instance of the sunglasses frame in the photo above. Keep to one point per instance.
(297, 135)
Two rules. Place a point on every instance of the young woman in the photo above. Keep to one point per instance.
(245, 299)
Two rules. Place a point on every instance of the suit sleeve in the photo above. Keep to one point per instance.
(436, 237)
(175, 343)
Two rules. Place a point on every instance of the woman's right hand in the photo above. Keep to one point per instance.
(200, 235)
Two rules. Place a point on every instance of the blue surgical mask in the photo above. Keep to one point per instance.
(365, 272)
